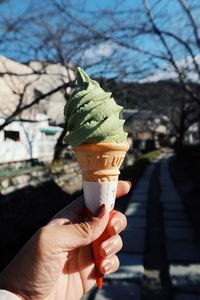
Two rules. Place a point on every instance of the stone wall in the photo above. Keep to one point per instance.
(19, 175)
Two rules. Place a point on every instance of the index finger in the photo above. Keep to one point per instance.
(123, 188)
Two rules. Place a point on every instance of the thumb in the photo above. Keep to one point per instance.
(72, 236)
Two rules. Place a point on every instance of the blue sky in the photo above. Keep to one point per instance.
(15, 8)
(175, 23)
(19, 6)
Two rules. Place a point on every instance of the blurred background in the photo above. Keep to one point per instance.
(147, 53)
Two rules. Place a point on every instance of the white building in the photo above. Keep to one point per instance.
(30, 81)
(20, 84)
(28, 139)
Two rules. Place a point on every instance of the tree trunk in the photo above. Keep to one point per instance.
(181, 132)
(59, 147)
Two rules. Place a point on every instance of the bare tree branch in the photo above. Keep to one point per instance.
(192, 20)
(20, 109)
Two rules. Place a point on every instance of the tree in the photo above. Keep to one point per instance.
(162, 43)
(189, 106)
(176, 55)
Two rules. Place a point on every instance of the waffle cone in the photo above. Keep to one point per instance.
(100, 162)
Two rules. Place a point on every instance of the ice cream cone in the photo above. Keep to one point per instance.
(100, 165)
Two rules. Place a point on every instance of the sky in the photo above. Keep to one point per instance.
(13, 8)
(18, 6)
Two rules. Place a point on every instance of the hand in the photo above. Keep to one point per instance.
(57, 263)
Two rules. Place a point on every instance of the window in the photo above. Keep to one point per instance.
(13, 135)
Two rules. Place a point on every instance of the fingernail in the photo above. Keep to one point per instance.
(130, 184)
(117, 226)
(107, 267)
(108, 249)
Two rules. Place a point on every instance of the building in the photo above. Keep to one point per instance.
(26, 82)
(28, 139)
(30, 135)
(148, 129)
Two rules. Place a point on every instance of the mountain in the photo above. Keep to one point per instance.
(160, 97)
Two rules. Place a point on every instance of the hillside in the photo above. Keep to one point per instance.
(159, 96)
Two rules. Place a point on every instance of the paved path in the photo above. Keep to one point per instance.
(181, 252)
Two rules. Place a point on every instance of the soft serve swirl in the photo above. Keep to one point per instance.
(92, 114)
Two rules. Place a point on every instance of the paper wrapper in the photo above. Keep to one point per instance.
(102, 192)
(100, 165)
